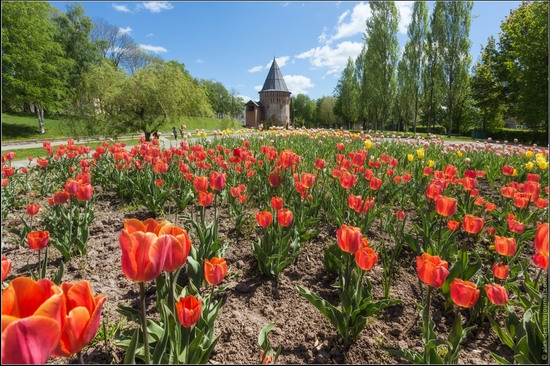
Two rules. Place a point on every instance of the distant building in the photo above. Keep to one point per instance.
(273, 109)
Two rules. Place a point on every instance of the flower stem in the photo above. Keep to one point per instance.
(144, 323)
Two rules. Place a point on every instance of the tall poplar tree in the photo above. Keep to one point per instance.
(347, 95)
(381, 60)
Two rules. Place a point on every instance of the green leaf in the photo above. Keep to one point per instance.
(262, 337)
(130, 357)
(333, 315)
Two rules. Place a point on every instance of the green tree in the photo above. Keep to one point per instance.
(381, 60)
(454, 44)
(73, 34)
(523, 47)
(347, 95)
(404, 109)
(361, 82)
(325, 112)
(487, 90)
(304, 110)
(218, 96)
(416, 55)
(433, 72)
(33, 63)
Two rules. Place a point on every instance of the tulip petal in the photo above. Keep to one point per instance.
(30, 340)
(80, 294)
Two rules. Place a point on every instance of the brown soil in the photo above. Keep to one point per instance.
(252, 301)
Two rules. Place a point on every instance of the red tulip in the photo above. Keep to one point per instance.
(264, 218)
(505, 246)
(6, 266)
(445, 206)
(464, 293)
(274, 179)
(32, 209)
(188, 310)
(38, 239)
(349, 238)
(434, 189)
(497, 294)
(532, 189)
(365, 256)
(375, 183)
(71, 187)
(142, 254)
(540, 260)
(284, 217)
(348, 180)
(355, 202)
(60, 198)
(508, 170)
(541, 203)
(32, 319)
(432, 270)
(217, 180)
(400, 215)
(277, 203)
(215, 270)
(83, 310)
(308, 180)
(472, 224)
(508, 192)
(205, 198)
(85, 192)
(319, 164)
(500, 271)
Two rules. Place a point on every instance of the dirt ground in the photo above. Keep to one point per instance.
(252, 301)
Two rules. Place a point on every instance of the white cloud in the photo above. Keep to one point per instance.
(150, 35)
(156, 6)
(246, 98)
(334, 59)
(323, 36)
(405, 9)
(154, 49)
(348, 27)
(281, 61)
(256, 69)
(122, 8)
(199, 61)
(258, 87)
(124, 30)
(297, 84)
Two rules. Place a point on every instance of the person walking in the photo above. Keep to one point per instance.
(175, 133)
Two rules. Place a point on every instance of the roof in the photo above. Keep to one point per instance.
(256, 104)
(275, 80)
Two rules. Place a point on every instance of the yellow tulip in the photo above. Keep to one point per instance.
(529, 154)
(515, 173)
(431, 163)
(410, 157)
(420, 153)
(543, 164)
(459, 153)
(529, 165)
(368, 144)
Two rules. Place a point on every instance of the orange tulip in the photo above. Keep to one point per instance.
(472, 224)
(348, 180)
(143, 255)
(349, 238)
(200, 184)
(83, 310)
(452, 225)
(464, 293)
(521, 200)
(32, 209)
(308, 180)
(515, 227)
(507, 170)
(177, 246)
(432, 270)
(505, 246)
(38, 239)
(188, 310)
(33, 314)
(264, 218)
(205, 198)
(6, 266)
(541, 239)
(60, 198)
(497, 294)
(500, 271)
(71, 187)
(277, 203)
(284, 217)
(355, 202)
(400, 215)
(375, 183)
(319, 164)
(434, 189)
(215, 270)
(217, 180)
(508, 192)
(532, 189)
(365, 256)
(445, 206)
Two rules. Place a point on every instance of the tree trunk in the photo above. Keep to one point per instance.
(147, 135)
(40, 114)
(415, 112)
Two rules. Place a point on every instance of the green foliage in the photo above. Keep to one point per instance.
(304, 110)
(325, 112)
(347, 95)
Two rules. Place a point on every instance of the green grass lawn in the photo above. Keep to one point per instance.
(19, 127)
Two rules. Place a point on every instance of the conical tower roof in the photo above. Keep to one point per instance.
(275, 80)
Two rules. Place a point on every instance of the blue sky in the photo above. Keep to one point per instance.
(234, 42)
